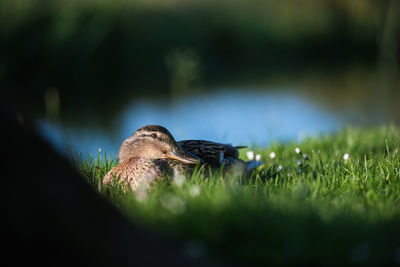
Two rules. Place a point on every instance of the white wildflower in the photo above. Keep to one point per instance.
(346, 157)
(99, 149)
(250, 155)
(272, 155)
(174, 204)
(141, 194)
(300, 163)
(279, 169)
(194, 191)
(297, 150)
(179, 180)
(258, 157)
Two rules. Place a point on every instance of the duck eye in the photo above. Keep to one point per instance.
(154, 135)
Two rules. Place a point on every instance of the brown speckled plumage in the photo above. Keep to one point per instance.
(152, 153)
(137, 171)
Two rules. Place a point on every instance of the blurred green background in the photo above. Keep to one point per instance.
(84, 62)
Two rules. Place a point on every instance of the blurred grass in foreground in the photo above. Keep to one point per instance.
(328, 210)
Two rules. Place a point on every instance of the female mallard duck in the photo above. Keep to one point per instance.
(152, 153)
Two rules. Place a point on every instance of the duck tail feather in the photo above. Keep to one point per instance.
(252, 164)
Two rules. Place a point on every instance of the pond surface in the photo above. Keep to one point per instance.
(240, 117)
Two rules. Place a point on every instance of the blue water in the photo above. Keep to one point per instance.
(237, 117)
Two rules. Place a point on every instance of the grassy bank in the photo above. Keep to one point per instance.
(329, 208)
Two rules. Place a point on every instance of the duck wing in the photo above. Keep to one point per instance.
(211, 152)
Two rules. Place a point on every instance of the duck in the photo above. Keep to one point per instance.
(152, 154)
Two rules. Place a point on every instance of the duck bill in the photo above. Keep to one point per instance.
(183, 156)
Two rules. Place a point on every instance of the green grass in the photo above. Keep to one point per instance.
(328, 210)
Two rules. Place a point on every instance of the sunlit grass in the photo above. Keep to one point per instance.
(328, 208)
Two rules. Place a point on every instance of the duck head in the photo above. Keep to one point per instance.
(155, 142)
